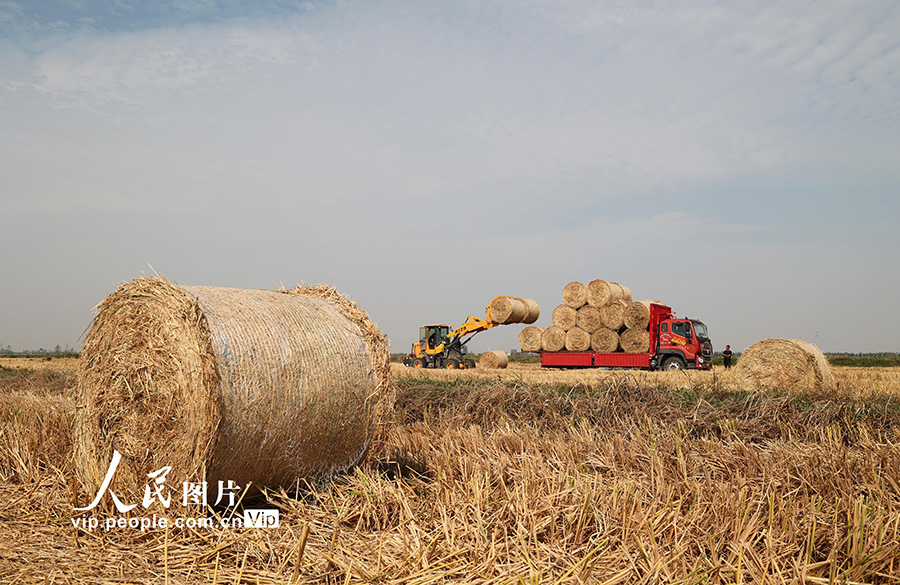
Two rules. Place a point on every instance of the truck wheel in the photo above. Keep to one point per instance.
(419, 363)
(673, 364)
(452, 364)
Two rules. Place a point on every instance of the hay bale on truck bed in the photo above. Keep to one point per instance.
(553, 338)
(228, 384)
(600, 293)
(564, 317)
(604, 340)
(493, 360)
(784, 364)
(574, 295)
(578, 339)
(530, 339)
(635, 340)
(588, 318)
(612, 315)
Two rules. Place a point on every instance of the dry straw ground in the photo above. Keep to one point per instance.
(516, 476)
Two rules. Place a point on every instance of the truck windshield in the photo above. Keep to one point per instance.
(700, 330)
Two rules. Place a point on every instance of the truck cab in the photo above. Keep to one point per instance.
(683, 343)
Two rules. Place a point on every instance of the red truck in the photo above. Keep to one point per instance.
(675, 344)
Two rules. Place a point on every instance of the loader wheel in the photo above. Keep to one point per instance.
(419, 363)
(470, 364)
(673, 364)
(452, 364)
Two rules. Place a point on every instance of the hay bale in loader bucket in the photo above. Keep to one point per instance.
(530, 339)
(506, 310)
(493, 360)
(784, 364)
(227, 384)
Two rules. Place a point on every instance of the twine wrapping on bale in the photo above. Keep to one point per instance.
(635, 340)
(600, 293)
(226, 384)
(612, 315)
(574, 295)
(530, 339)
(564, 317)
(604, 340)
(506, 310)
(588, 319)
(553, 338)
(578, 339)
(784, 364)
(493, 360)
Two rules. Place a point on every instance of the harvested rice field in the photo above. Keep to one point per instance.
(516, 475)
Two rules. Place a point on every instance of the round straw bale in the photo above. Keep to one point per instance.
(553, 338)
(578, 339)
(612, 315)
(784, 364)
(635, 340)
(588, 318)
(604, 340)
(530, 339)
(574, 294)
(493, 359)
(564, 317)
(225, 384)
(532, 311)
(637, 314)
(601, 293)
(506, 309)
(626, 294)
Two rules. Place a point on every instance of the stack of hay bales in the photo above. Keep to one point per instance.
(600, 316)
(258, 386)
(784, 365)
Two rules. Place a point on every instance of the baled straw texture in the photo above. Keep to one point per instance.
(506, 310)
(637, 313)
(564, 317)
(626, 294)
(493, 360)
(612, 315)
(635, 341)
(578, 339)
(530, 339)
(574, 295)
(226, 384)
(588, 319)
(784, 364)
(532, 311)
(604, 340)
(553, 338)
(600, 292)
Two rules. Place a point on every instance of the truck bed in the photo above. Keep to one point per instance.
(588, 359)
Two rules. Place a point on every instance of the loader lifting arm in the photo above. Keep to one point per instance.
(440, 347)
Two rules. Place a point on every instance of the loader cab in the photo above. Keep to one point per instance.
(431, 336)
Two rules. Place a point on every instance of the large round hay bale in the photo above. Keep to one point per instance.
(564, 317)
(784, 364)
(506, 309)
(226, 384)
(612, 315)
(604, 340)
(574, 295)
(553, 338)
(637, 313)
(578, 339)
(601, 293)
(530, 339)
(626, 294)
(492, 360)
(635, 340)
(588, 319)
(532, 310)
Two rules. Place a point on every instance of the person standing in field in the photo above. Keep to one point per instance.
(726, 356)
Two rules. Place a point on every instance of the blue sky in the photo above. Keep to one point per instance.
(739, 161)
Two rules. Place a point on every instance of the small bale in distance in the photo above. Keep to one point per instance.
(578, 339)
(564, 317)
(604, 340)
(588, 319)
(492, 360)
(574, 295)
(789, 365)
(553, 338)
(530, 339)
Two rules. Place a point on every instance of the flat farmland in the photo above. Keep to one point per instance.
(513, 476)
